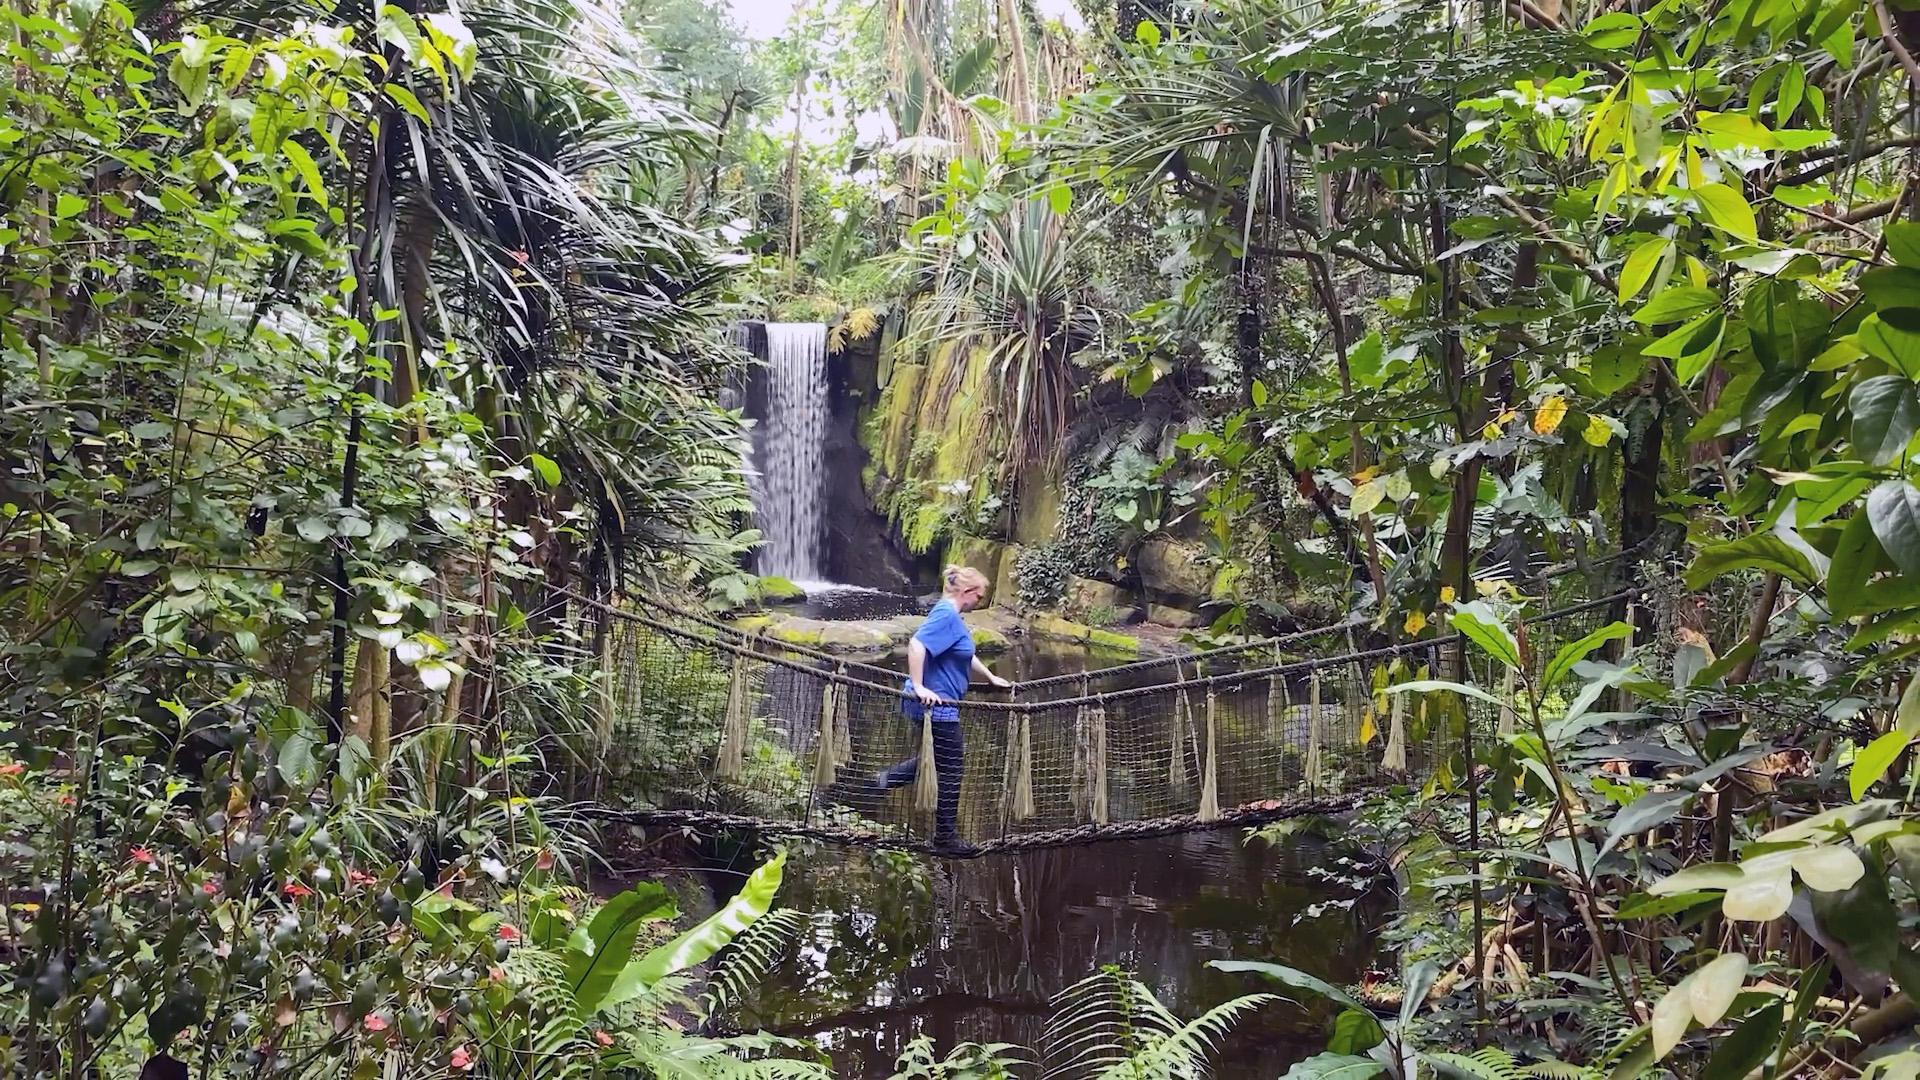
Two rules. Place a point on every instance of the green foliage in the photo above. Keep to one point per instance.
(1111, 1024)
(1040, 573)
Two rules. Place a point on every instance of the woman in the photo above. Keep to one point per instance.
(940, 666)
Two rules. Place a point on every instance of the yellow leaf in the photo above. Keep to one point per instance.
(1546, 419)
(1365, 474)
(1670, 1018)
(1711, 990)
(1486, 588)
(1367, 728)
(1367, 496)
(1416, 622)
(1597, 432)
(1506, 418)
(1491, 431)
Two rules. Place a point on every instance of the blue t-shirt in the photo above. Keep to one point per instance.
(949, 666)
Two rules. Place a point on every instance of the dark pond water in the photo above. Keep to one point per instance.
(901, 947)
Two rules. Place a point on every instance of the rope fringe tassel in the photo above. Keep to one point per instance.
(733, 729)
(1313, 731)
(1210, 784)
(823, 760)
(926, 780)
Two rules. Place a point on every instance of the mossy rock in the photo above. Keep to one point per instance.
(833, 637)
(1108, 641)
(989, 642)
(1055, 628)
(753, 624)
(778, 590)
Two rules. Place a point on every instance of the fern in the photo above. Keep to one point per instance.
(1493, 1063)
(1110, 1025)
(750, 957)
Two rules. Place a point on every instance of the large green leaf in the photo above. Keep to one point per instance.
(1758, 551)
(1575, 651)
(1891, 287)
(1874, 759)
(1748, 1046)
(1894, 510)
(1427, 686)
(1332, 1066)
(1899, 348)
(1676, 304)
(1903, 237)
(1727, 210)
(1292, 979)
(753, 900)
(600, 950)
(1355, 1031)
(1483, 627)
(1646, 812)
(1851, 567)
(1886, 413)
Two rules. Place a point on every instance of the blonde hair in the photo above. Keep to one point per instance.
(960, 577)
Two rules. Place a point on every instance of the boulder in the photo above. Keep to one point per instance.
(1167, 615)
(1085, 596)
(1174, 568)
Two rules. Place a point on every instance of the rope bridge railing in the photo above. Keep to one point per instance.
(726, 730)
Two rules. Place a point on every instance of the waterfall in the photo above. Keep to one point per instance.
(792, 490)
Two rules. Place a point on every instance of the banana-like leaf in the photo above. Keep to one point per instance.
(701, 942)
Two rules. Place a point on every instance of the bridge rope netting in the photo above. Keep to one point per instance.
(708, 726)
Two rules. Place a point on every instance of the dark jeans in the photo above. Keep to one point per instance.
(948, 756)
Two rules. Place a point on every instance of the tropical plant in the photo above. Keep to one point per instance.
(1111, 1025)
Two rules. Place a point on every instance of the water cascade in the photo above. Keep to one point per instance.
(791, 491)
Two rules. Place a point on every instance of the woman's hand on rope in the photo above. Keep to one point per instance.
(998, 682)
(927, 696)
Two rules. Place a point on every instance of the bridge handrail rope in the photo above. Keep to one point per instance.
(1275, 643)
(802, 732)
(1222, 681)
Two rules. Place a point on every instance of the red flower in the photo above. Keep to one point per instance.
(603, 1038)
(211, 888)
(361, 877)
(296, 890)
(12, 768)
(141, 855)
(508, 932)
(374, 1022)
(461, 1058)
(544, 861)
(66, 800)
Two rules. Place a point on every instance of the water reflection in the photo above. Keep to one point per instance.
(902, 947)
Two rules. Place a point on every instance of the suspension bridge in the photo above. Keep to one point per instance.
(707, 726)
